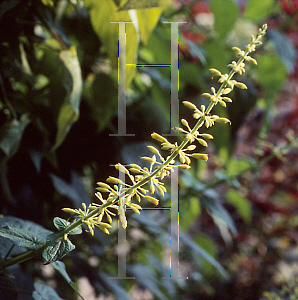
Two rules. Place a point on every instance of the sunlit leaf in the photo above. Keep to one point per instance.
(270, 74)
(102, 13)
(202, 253)
(258, 10)
(225, 16)
(72, 82)
(147, 19)
(139, 4)
(242, 205)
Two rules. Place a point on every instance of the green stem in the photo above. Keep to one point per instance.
(21, 258)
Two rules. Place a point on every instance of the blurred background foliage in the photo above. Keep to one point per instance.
(59, 100)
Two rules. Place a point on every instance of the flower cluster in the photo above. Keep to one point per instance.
(120, 194)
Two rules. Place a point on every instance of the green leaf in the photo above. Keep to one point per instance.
(257, 10)
(44, 292)
(225, 16)
(11, 135)
(22, 237)
(241, 204)
(236, 166)
(8, 289)
(5, 6)
(103, 99)
(147, 278)
(217, 209)
(57, 247)
(148, 19)
(5, 243)
(60, 267)
(139, 4)
(270, 74)
(113, 286)
(189, 209)
(202, 253)
(206, 243)
(71, 80)
(101, 14)
(60, 224)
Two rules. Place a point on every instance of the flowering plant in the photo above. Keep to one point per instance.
(143, 181)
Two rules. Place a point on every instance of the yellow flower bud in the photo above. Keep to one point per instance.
(153, 149)
(206, 136)
(113, 180)
(222, 120)
(200, 156)
(158, 137)
(103, 185)
(68, 210)
(184, 167)
(151, 200)
(184, 122)
(189, 104)
(215, 72)
(241, 85)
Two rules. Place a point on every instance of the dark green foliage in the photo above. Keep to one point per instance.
(58, 109)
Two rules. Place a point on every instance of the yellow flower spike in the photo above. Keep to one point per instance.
(84, 206)
(158, 137)
(189, 104)
(151, 200)
(200, 156)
